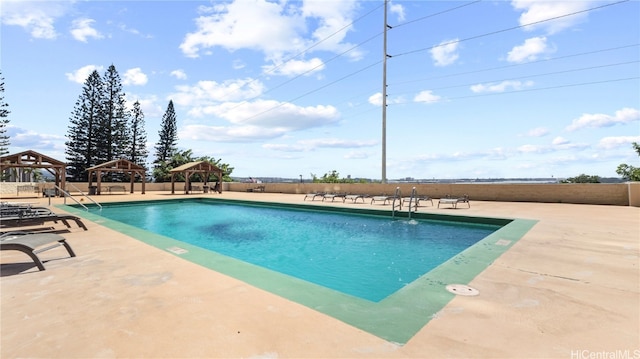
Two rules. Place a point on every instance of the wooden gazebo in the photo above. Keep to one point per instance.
(202, 167)
(121, 165)
(32, 160)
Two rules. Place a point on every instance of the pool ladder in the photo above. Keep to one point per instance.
(413, 200)
(68, 195)
(397, 196)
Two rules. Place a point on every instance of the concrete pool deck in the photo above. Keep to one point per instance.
(570, 288)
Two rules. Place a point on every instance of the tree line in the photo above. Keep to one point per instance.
(102, 129)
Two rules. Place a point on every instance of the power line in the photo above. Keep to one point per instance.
(516, 65)
(507, 29)
(542, 74)
(544, 88)
(312, 91)
(424, 49)
(291, 58)
(555, 87)
(436, 14)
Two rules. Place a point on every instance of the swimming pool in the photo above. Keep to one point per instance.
(367, 256)
(396, 318)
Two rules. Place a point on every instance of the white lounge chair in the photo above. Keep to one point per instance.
(454, 201)
(313, 195)
(31, 243)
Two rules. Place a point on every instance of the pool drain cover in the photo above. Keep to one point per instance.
(461, 289)
(177, 250)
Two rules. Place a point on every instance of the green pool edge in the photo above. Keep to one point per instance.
(396, 318)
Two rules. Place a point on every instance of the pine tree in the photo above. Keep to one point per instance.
(138, 145)
(4, 120)
(85, 122)
(166, 146)
(113, 140)
(168, 136)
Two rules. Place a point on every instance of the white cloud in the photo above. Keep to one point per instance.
(313, 144)
(357, 155)
(228, 134)
(616, 142)
(37, 18)
(149, 104)
(501, 87)
(135, 77)
(560, 141)
(539, 10)
(538, 132)
(398, 10)
(81, 74)
(529, 51)
(269, 113)
(445, 53)
(238, 64)
(623, 116)
(427, 97)
(33, 140)
(179, 74)
(259, 120)
(205, 93)
(295, 67)
(533, 149)
(81, 30)
(337, 143)
(278, 29)
(376, 99)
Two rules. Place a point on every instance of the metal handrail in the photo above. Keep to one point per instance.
(411, 200)
(67, 194)
(397, 196)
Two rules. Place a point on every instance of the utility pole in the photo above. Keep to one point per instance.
(384, 96)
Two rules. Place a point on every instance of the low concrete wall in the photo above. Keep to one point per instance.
(634, 193)
(619, 194)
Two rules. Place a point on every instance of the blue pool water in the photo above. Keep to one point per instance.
(369, 257)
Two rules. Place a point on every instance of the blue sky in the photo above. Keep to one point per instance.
(475, 89)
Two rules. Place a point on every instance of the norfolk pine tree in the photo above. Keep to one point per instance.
(4, 120)
(166, 146)
(168, 135)
(138, 152)
(84, 123)
(113, 139)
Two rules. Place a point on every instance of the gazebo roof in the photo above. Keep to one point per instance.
(118, 165)
(198, 166)
(30, 159)
(33, 159)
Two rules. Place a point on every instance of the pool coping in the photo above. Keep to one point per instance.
(396, 318)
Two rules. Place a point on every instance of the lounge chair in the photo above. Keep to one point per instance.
(354, 197)
(25, 215)
(384, 199)
(452, 200)
(333, 196)
(314, 195)
(29, 243)
(416, 200)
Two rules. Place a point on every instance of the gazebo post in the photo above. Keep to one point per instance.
(90, 180)
(98, 181)
(173, 189)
